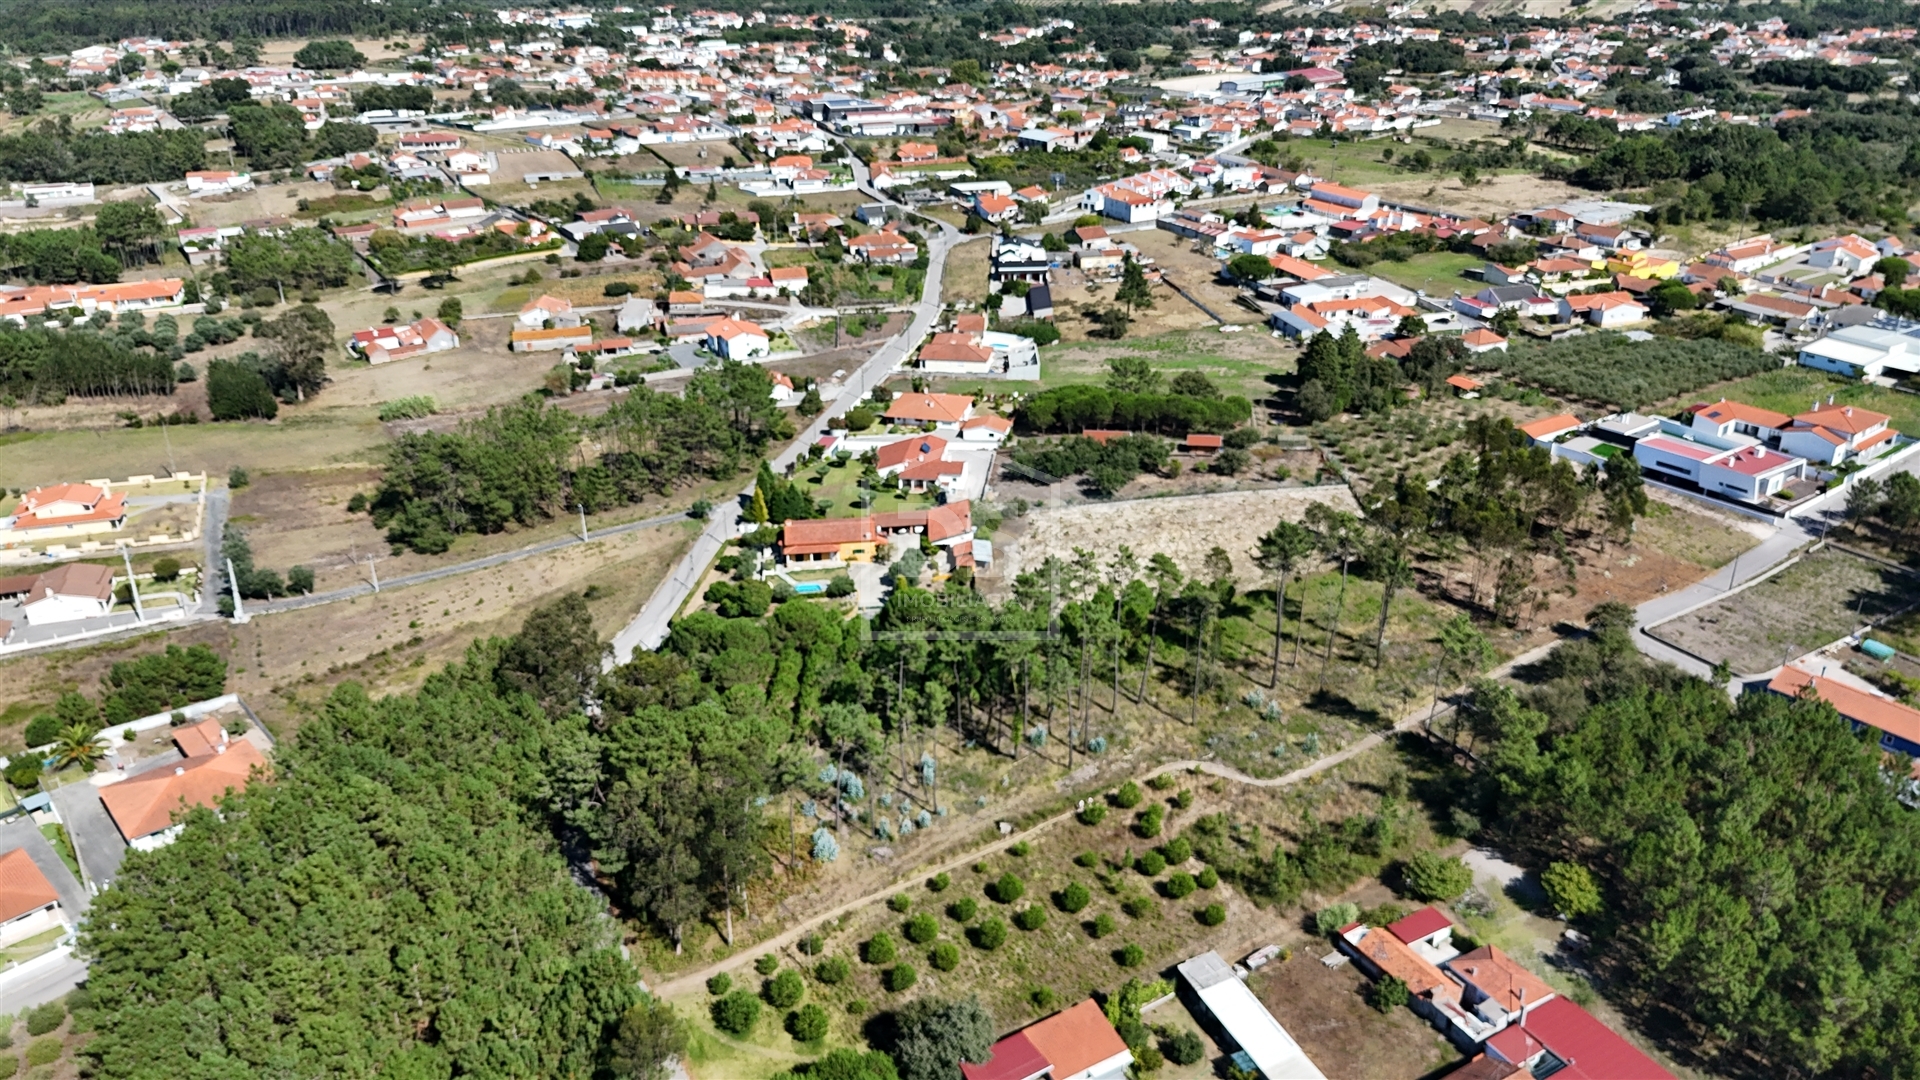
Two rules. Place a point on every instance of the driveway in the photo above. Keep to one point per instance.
(96, 840)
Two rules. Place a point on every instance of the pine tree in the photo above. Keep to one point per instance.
(757, 513)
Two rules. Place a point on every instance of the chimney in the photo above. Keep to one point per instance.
(1759, 452)
(1829, 399)
(1847, 411)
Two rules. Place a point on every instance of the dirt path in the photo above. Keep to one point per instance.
(693, 980)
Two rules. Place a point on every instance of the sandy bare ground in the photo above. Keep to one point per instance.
(1184, 528)
(1492, 198)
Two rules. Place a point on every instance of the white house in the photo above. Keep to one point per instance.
(1863, 352)
(737, 339)
(1736, 467)
(383, 344)
(208, 182)
(69, 593)
(540, 311)
(1849, 256)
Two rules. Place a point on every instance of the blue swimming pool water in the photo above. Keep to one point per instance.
(808, 588)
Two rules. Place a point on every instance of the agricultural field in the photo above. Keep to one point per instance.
(1820, 599)
(1610, 371)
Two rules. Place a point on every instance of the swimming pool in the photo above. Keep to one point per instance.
(808, 588)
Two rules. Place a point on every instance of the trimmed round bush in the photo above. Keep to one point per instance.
(1212, 915)
(901, 976)
(720, 984)
(1103, 925)
(900, 902)
(990, 934)
(963, 909)
(1138, 907)
(44, 1018)
(1184, 1048)
(767, 964)
(1031, 917)
(1074, 898)
(1177, 850)
(1093, 813)
(939, 882)
(879, 949)
(945, 956)
(737, 1013)
(1152, 864)
(1086, 860)
(1207, 878)
(784, 990)
(807, 1024)
(1184, 799)
(1127, 796)
(1130, 955)
(832, 970)
(1180, 885)
(1151, 821)
(1020, 850)
(1009, 889)
(922, 928)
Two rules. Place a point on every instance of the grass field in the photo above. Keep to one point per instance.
(1237, 363)
(965, 280)
(1794, 390)
(1438, 273)
(29, 458)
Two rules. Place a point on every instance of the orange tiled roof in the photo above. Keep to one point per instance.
(145, 804)
(23, 888)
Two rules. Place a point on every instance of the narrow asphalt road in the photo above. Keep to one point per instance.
(21, 832)
(96, 840)
(649, 628)
(46, 979)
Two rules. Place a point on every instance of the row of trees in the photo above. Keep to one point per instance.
(53, 151)
(40, 365)
(276, 137)
(524, 463)
(1337, 375)
(1075, 408)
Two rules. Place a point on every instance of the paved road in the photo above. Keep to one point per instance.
(214, 573)
(649, 628)
(295, 603)
(45, 979)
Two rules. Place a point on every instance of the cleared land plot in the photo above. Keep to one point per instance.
(1239, 363)
(1184, 528)
(965, 278)
(1820, 599)
(273, 200)
(1492, 198)
(1326, 1012)
(516, 167)
(688, 154)
(29, 458)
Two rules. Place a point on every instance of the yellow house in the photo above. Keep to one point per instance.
(830, 540)
(1642, 265)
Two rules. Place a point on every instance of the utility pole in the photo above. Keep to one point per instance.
(164, 425)
(374, 571)
(133, 586)
(582, 507)
(233, 583)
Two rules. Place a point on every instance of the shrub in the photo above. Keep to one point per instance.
(1571, 889)
(1150, 822)
(832, 970)
(1151, 864)
(1086, 859)
(1074, 898)
(990, 934)
(1103, 925)
(737, 1013)
(9, 1065)
(945, 956)
(1212, 915)
(1093, 813)
(1207, 878)
(1183, 800)
(1184, 1048)
(1148, 1058)
(238, 478)
(1162, 782)
(1430, 876)
(1130, 955)
(1032, 917)
(1128, 796)
(812, 944)
(23, 772)
(1328, 920)
(42, 730)
(767, 965)
(963, 909)
(719, 984)
(237, 392)
(1180, 885)
(784, 990)
(1388, 994)
(880, 948)
(922, 929)
(901, 976)
(1020, 850)
(807, 1024)
(1138, 907)
(1009, 888)
(1177, 850)
(900, 902)
(166, 568)
(44, 1018)
(939, 882)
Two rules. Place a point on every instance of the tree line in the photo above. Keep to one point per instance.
(1755, 868)
(41, 26)
(522, 464)
(1078, 407)
(52, 151)
(46, 366)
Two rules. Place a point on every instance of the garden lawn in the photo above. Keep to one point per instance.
(1436, 272)
(840, 487)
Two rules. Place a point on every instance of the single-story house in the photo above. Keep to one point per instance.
(29, 904)
(69, 593)
(143, 806)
